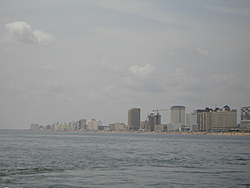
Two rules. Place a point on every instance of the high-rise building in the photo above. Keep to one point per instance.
(204, 119)
(134, 117)
(191, 121)
(178, 115)
(245, 117)
(153, 119)
(72, 125)
(245, 113)
(82, 122)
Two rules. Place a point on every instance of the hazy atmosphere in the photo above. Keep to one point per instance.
(68, 60)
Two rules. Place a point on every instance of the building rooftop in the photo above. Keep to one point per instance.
(226, 106)
(178, 107)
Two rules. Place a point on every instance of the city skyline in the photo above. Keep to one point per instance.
(177, 115)
(64, 60)
(207, 119)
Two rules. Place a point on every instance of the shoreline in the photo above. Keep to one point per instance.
(190, 133)
(154, 132)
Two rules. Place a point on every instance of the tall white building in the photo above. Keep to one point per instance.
(178, 115)
(191, 121)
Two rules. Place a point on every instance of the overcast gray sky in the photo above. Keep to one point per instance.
(67, 60)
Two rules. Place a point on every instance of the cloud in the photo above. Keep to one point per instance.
(48, 68)
(171, 53)
(53, 87)
(143, 79)
(186, 52)
(230, 83)
(13, 89)
(229, 10)
(201, 51)
(224, 77)
(148, 69)
(144, 9)
(121, 81)
(181, 81)
(93, 95)
(228, 87)
(110, 68)
(7, 50)
(62, 97)
(23, 32)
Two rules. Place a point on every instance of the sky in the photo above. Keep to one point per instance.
(93, 59)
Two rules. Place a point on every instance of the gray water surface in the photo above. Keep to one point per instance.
(65, 159)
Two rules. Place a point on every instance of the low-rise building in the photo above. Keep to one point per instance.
(174, 127)
(117, 127)
(160, 127)
(34, 126)
(93, 124)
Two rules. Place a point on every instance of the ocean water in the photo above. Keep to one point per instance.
(66, 159)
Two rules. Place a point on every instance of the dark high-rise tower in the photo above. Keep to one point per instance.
(154, 119)
(134, 117)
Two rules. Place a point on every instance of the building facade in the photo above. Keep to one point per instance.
(174, 127)
(245, 113)
(117, 127)
(204, 119)
(34, 126)
(153, 120)
(134, 117)
(216, 119)
(245, 117)
(93, 124)
(178, 115)
(161, 127)
(82, 124)
(224, 118)
(191, 121)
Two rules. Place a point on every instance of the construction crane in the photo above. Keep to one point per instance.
(145, 123)
(157, 116)
(159, 110)
(147, 120)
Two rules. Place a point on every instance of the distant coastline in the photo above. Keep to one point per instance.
(155, 132)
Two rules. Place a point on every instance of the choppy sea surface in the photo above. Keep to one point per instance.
(66, 159)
